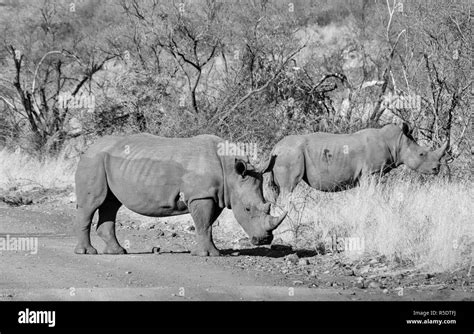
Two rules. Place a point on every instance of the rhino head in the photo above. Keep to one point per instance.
(248, 204)
(417, 157)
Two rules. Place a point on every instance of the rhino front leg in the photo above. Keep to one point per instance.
(82, 229)
(287, 174)
(106, 225)
(204, 213)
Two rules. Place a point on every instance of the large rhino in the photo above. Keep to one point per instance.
(160, 177)
(335, 162)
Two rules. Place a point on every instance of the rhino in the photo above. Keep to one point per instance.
(160, 177)
(335, 162)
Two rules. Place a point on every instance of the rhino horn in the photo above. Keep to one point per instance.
(274, 222)
(266, 208)
(440, 151)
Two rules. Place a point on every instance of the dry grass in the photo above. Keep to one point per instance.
(429, 225)
(19, 170)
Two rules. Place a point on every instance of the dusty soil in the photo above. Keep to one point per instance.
(159, 266)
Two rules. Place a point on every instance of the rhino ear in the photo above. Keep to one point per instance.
(240, 167)
(267, 165)
(406, 130)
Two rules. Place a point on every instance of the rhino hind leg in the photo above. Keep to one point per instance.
(106, 224)
(204, 213)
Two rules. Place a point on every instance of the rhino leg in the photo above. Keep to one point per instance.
(204, 213)
(82, 227)
(106, 224)
(91, 190)
(288, 172)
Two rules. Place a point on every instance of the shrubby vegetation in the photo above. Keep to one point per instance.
(244, 70)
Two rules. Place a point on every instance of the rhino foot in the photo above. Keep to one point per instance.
(85, 250)
(116, 249)
(212, 252)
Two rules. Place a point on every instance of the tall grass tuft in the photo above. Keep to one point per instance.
(20, 170)
(429, 225)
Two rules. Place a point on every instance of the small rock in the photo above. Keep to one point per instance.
(155, 250)
(284, 271)
(235, 254)
(334, 284)
(191, 228)
(326, 272)
(72, 197)
(349, 272)
(303, 262)
(297, 282)
(151, 227)
(173, 234)
(360, 283)
(429, 276)
(385, 291)
(373, 261)
(374, 285)
(160, 233)
(293, 258)
(128, 272)
(313, 273)
(364, 270)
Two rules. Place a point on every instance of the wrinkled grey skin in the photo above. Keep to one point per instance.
(160, 177)
(335, 162)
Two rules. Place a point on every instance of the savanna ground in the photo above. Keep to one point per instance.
(413, 241)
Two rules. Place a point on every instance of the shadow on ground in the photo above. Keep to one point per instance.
(276, 251)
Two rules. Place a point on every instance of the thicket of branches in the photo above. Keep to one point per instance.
(250, 71)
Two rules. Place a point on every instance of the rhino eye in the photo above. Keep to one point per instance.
(422, 154)
(247, 209)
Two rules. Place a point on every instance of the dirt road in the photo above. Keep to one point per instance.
(56, 273)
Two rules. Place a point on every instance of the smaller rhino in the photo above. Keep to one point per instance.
(335, 162)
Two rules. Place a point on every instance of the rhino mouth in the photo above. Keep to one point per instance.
(432, 171)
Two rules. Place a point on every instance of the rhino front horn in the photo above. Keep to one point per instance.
(441, 151)
(274, 222)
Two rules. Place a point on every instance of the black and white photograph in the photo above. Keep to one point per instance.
(304, 156)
